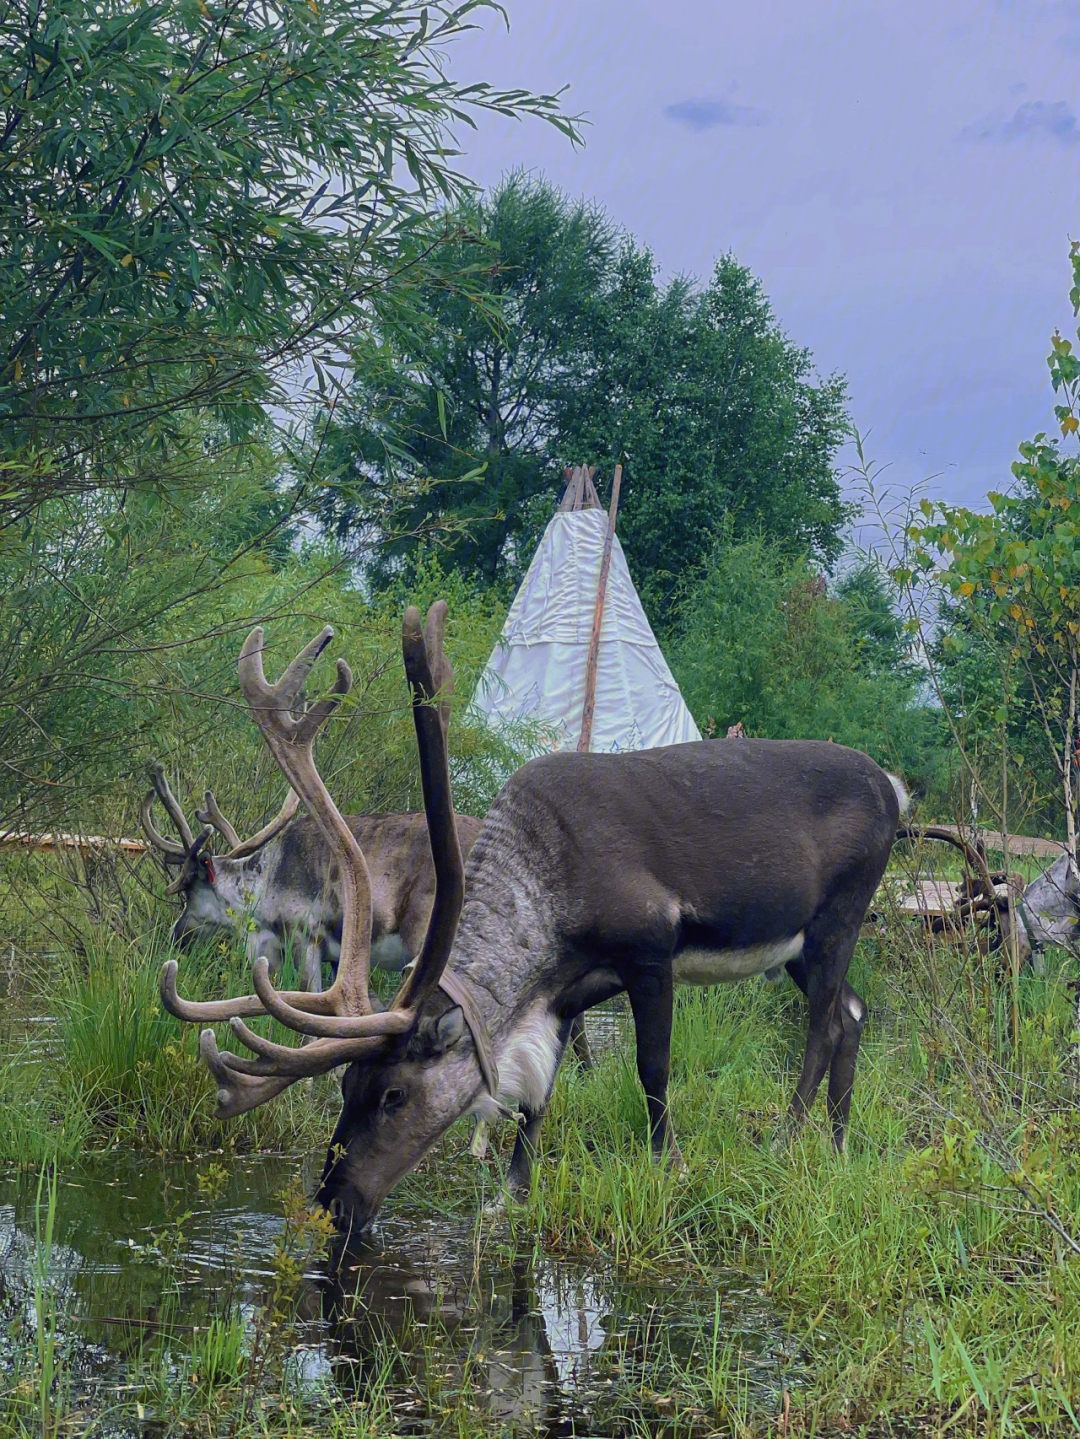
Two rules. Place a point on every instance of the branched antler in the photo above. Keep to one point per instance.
(211, 818)
(160, 790)
(339, 1021)
(975, 861)
(212, 815)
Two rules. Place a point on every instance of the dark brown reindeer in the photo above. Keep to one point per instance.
(277, 883)
(594, 874)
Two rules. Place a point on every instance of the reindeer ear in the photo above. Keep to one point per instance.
(436, 1036)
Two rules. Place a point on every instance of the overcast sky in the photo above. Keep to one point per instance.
(902, 175)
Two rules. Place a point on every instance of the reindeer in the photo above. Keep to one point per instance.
(277, 883)
(595, 874)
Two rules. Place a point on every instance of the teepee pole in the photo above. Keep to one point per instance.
(598, 618)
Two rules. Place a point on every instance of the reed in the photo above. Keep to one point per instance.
(116, 1069)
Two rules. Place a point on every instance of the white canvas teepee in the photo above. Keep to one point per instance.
(538, 668)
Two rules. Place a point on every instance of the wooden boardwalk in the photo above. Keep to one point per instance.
(68, 841)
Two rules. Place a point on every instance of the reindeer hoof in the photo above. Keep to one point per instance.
(498, 1208)
(670, 1157)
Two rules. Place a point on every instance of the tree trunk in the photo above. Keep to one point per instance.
(1069, 757)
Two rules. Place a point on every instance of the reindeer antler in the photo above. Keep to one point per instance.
(187, 851)
(211, 818)
(975, 861)
(146, 816)
(431, 678)
(289, 739)
(339, 1020)
(160, 790)
(241, 848)
(212, 815)
(268, 831)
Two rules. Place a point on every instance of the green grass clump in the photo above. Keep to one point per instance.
(117, 1069)
(929, 1271)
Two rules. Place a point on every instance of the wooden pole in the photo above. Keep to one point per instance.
(598, 618)
(68, 841)
(579, 487)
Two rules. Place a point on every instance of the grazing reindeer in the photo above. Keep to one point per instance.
(279, 881)
(594, 874)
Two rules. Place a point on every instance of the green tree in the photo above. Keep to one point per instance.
(583, 355)
(196, 198)
(721, 420)
(1008, 650)
(118, 642)
(1010, 656)
(765, 642)
(201, 202)
(474, 397)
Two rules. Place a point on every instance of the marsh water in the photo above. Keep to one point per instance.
(148, 1251)
(136, 1246)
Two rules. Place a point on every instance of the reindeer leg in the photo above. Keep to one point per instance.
(649, 988)
(820, 974)
(519, 1176)
(311, 978)
(842, 1073)
(264, 942)
(824, 1034)
(526, 1145)
(579, 1040)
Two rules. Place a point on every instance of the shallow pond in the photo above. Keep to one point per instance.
(547, 1346)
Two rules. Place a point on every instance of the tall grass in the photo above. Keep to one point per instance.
(930, 1270)
(46, 1376)
(931, 1275)
(117, 1069)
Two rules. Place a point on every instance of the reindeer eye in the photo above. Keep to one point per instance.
(393, 1099)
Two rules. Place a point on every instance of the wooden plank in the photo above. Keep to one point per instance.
(598, 619)
(580, 492)
(570, 477)
(579, 487)
(592, 499)
(930, 897)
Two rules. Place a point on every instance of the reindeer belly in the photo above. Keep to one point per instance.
(695, 965)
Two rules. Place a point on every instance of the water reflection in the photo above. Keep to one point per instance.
(495, 1339)
(429, 1308)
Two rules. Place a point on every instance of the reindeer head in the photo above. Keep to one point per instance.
(210, 886)
(402, 1087)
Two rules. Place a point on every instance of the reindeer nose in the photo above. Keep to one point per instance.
(350, 1211)
(352, 1221)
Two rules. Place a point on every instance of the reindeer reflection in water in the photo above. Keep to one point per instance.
(522, 1349)
(537, 1345)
